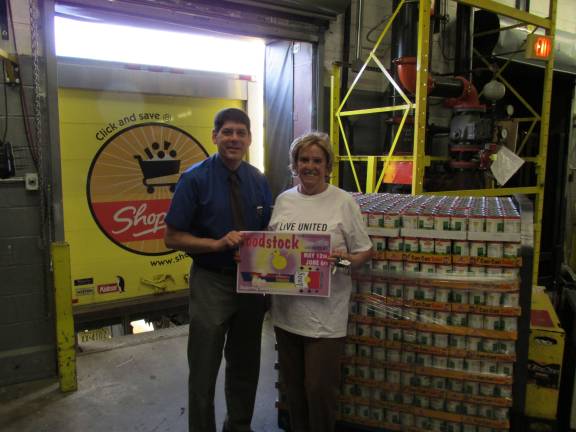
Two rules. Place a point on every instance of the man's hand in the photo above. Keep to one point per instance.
(232, 240)
(184, 241)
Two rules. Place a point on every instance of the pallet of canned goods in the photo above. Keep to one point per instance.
(433, 322)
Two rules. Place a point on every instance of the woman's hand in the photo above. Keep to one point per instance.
(341, 258)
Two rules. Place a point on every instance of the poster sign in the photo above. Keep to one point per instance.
(284, 263)
(132, 178)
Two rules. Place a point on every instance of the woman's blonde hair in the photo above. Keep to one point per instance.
(320, 139)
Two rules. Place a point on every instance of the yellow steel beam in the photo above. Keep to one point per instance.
(373, 110)
(514, 56)
(502, 68)
(371, 174)
(526, 137)
(365, 158)
(543, 153)
(387, 27)
(7, 56)
(529, 190)
(349, 154)
(421, 96)
(501, 29)
(520, 98)
(65, 338)
(335, 79)
(501, 9)
(509, 86)
(392, 81)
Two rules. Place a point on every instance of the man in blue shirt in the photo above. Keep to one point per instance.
(214, 200)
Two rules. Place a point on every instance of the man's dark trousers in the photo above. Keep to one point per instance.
(221, 319)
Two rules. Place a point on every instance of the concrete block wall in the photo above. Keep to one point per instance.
(332, 47)
(27, 340)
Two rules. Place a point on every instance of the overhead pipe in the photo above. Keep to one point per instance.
(404, 30)
(359, 20)
(404, 42)
(437, 12)
(523, 5)
(345, 51)
(463, 51)
(460, 92)
(505, 44)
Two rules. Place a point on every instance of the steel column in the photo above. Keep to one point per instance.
(65, 337)
(421, 100)
(543, 153)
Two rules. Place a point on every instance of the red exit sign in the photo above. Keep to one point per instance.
(538, 47)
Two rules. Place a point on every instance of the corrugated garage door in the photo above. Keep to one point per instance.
(284, 19)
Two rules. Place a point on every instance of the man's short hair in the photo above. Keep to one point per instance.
(231, 114)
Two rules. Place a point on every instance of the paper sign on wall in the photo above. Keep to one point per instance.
(284, 263)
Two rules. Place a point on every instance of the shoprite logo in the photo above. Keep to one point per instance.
(131, 181)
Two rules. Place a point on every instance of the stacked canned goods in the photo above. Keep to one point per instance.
(409, 334)
(428, 224)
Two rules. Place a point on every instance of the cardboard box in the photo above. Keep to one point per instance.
(545, 353)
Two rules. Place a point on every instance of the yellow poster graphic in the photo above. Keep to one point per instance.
(121, 156)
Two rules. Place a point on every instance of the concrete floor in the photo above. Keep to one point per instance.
(129, 383)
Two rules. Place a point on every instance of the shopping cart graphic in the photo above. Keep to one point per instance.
(158, 168)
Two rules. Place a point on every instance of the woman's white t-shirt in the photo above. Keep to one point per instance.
(333, 212)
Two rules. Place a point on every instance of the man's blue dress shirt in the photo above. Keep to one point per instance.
(201, 205)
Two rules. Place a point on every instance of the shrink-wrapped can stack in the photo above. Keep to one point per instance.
(433, 320)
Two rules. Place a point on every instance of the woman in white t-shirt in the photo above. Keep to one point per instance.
(311, 331)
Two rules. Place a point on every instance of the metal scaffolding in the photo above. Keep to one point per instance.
(420, 160)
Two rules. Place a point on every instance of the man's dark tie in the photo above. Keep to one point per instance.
(236, 202)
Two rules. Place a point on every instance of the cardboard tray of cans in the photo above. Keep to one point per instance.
(433, 321)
